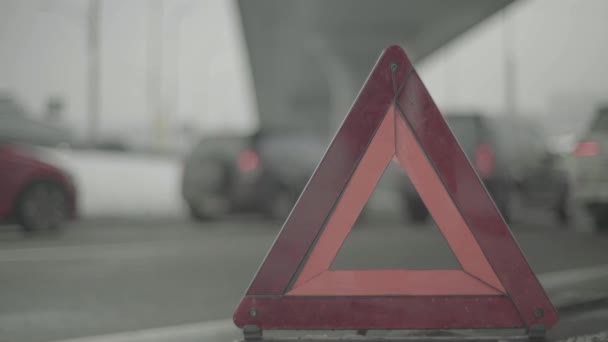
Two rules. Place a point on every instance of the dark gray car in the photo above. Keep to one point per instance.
(264, 173)
(513, 159)
(591, 162)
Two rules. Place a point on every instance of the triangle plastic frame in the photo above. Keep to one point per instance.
(394, 115)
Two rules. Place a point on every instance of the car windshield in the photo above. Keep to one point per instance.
(467, 130)
(600, 123)
(204, 169)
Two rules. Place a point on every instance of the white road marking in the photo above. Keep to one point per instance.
(603, 336)
(210, 331)
(574, 276)
(92, 251)
(224, 330)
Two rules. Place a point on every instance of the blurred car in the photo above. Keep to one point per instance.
(35, 193)
(262, 173)
(514, 161)
(591, 181)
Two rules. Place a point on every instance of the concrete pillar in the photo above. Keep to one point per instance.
(342, 87)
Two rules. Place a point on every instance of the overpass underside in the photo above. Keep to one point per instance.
(310, 58)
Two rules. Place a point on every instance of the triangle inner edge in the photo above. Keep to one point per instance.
(441, 207)
(394, 138)
(360, 187)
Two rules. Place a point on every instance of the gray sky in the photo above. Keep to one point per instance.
(42, 53)
(559, 49)
(560, 54)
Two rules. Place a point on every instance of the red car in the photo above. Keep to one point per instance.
(34, 193)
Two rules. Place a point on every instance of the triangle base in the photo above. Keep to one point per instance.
(394, 115)
(378, 313)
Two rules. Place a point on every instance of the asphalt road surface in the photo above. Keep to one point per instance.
(110, 276)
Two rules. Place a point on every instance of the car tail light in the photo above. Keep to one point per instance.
(587, 149)
(484, 160)
(248, 161)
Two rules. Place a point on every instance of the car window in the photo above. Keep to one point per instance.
(296, 148)
(223, 145)
(467, 131)
(536, 137)
(10, 107)
(600, 123)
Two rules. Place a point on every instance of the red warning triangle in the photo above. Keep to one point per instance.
(394, 116)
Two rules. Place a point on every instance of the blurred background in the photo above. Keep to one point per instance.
(151, 149)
